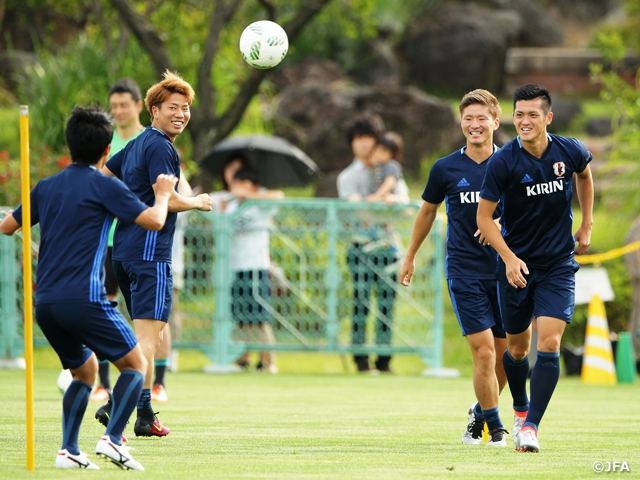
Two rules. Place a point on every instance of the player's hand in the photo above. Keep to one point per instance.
(481, 238)
(406, 272)
(6, 213)
(516, 269)
(583, 239)
(165, 184)
(205, 202)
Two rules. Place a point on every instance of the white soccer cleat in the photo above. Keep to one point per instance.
(517, 425)
(118, 454)
(528, 439)
(473, 434)
(69, 460)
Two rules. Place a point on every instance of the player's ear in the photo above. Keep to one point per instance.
(549, 117)
(106, 151)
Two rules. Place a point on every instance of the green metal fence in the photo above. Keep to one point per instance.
(322, 252)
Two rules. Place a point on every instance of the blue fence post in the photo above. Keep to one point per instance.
(10, 342)
(332, 278)
(223, 353)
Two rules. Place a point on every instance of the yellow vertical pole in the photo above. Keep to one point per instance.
(27, 280)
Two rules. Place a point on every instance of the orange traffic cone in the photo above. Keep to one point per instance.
(597, 363)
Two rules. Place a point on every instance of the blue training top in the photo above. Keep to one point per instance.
(138, 165)
(536, 197)
(75, 209)
(456, 179)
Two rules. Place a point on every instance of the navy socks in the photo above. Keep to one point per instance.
(74, 404)
(544, 379)
(517, 372)
(125, 396)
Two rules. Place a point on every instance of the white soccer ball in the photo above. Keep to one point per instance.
(64, 380)
(264, 44)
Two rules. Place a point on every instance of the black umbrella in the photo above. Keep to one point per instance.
(277, 162)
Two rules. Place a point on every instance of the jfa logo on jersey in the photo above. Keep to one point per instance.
(558, 169)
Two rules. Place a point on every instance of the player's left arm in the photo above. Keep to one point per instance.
(9, 224)
(584, 191)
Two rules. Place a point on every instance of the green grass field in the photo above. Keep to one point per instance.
(328, 425)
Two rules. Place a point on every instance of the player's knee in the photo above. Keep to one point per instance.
(549, 344)
(485, 357)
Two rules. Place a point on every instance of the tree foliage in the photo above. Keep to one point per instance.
(197, 38)
(625, 95)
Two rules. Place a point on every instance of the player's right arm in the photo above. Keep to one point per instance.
(421, 228)
(489, 229)
(153, 218)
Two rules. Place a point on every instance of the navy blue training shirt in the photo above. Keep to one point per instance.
(456, 179)
(536, 197)
(138, 165)
(75, 209)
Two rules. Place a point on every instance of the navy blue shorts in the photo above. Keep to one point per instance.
(74, 330)
(550, 292)
(147, 288)
(251, 297)
(475, 303)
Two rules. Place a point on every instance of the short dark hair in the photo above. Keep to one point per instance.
(244, 161)
(247, 174)
(126, 85)
(365, 124)
(88, 133)
(392, 142)
(531, 92)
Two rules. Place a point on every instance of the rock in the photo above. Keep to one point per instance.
(315, 116)
(459, 47)
(564, 112)
(599, 127)
(538, 28)
(589, 10)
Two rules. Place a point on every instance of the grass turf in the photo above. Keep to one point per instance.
(333, 426)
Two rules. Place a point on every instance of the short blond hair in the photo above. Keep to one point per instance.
(482, 97)
(170, 83)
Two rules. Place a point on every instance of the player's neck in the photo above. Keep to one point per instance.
(536, 146)
(479, 153)
(128, 132)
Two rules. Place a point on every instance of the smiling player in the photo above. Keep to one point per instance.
(532, 178)
(141, 261)
(471, 266)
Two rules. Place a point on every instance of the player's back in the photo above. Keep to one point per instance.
(74, 218)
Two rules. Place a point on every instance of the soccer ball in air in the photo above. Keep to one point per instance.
(264, 44)
(64, 380)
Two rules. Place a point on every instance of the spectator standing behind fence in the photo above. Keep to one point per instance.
(456, 179)
(372, 252)
(249, 259)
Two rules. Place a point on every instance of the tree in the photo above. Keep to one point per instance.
(207, 125)
(626, 148)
